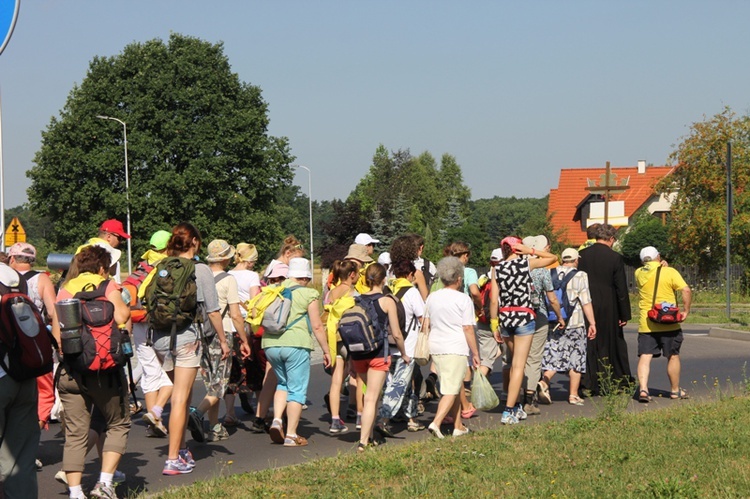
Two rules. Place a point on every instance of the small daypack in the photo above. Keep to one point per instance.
(172, 295)
(132, 284)
(270, 309)
(360, 329)
(100, 336)
(484, 293)
(25, 342)
(428, 277)
(560, 285)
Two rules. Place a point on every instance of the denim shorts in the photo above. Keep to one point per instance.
(527, 329)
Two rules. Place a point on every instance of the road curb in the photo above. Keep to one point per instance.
(729, 334)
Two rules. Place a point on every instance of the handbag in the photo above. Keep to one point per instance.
(662, 313)
(422, 350)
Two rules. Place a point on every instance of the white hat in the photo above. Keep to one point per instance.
(536, 242)
(365, 239)
(570, 255)
(649, 252)
(384, 258)
(497, 255)
(300, 268)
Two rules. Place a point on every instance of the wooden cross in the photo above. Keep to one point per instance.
(606, 188)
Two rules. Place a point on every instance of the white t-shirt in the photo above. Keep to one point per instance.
(226, 289)
(246, 279)
(413, 307)
(449, 311)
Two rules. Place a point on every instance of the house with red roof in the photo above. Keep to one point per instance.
(578, 200)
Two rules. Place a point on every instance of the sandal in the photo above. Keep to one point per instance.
(575, 400)
(644, 397)
(414, 426)
(295, 441)
(543, 395)
(680, 394)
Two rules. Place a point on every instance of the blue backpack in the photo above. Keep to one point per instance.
(560, 285)
(360, 329)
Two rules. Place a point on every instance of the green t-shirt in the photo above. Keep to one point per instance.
(299, 335)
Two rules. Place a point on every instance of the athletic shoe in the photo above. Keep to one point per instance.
(277, 432)
(509, 417)
(385, 430)
(531, 407)
(61, 477)
(118, 477)
(103, 491)
(195, 425)
(155, 427)
(358, 425)
(460, 433)
(520, 413)
(39, 465)
(433, 428)
(187, 457)
(337, 427)
(217, 433)
(176, 467)
(258, 426)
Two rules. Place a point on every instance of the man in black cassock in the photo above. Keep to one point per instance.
(609, 293)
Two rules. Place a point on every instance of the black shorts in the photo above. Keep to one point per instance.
(656, 343)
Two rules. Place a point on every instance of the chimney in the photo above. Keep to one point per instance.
(641, 166)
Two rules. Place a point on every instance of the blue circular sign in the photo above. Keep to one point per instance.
(8, 16)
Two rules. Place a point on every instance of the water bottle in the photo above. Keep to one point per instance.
(125, 344)
(71, 327)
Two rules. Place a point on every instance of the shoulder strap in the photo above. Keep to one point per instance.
(220, 277)
(401, 292)
(656, 286)
(28, 275)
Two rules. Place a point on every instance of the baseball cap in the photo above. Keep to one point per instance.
(649, 252)
(358, 252)
(497, 255)
(300, 268)
(22, 249)
(279, 270)
(114, 226)
(570, 255)
(160, 239)
(365, 239)
(219, 250)
(384, 258)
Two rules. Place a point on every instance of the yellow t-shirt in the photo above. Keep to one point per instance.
(670, 281)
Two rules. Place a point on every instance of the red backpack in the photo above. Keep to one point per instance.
(133, 284)
(25, 342)
(100, 336)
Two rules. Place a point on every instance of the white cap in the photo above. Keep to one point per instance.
(570, 255)
(365, 239)
(497, 255)
(300, 268)
(649, 252)
(384, 258)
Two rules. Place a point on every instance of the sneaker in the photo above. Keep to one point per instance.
(258, 426)
(38, 465)
(118, 477)
(217, 433)
(295, 441)
(176, 467)
(358, 425)
(509, 417)
(460, 433)
(520, 413)
(187, 457)
(531, 407)
(433, 428)
(104, 491)
(195, 425)
(62, 477)
(155, 427)
(420, 408)
(277, 432)
(385, 430)
(337, 427)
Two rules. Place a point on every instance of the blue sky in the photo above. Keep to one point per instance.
(514, 90)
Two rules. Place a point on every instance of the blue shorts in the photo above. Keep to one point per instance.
(527, 329)
(292, 368)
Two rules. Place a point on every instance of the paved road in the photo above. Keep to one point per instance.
(702, 356)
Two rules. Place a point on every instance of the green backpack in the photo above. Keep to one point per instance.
(172, 296)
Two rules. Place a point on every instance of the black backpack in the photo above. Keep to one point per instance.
(428, 277)
(400, 312)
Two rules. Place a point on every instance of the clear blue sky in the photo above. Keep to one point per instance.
(514, 90)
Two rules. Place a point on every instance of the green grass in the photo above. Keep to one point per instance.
(687, 450)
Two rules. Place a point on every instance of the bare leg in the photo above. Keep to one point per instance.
(575, 382)
(334, 394)
(293, 415)
(644, 369)
(183, 378)
(267, 392)
(519, 347)
(447, 402)
(673, 371)
(374, 381)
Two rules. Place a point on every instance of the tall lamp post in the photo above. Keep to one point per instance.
(309, 198)
(127, 184)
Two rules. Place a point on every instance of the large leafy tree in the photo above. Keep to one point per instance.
(198, 149)
(698, 219)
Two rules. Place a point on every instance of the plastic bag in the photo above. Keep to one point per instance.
(483, 396)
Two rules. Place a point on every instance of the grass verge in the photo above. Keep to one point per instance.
(688, 450)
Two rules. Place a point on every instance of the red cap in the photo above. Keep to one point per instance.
(511, 241)
(114, 226)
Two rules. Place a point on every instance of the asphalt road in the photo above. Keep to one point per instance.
(704, 359)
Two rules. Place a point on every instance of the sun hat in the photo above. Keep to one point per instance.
(536, 242)
(384, 258)
(300, 268)
(570, 255)
(22, 249)
(365, 239)
(219, 250)
(649, 252)
(159, 240)
(114, 226)
(358, 252)
(247, 252)
(279, 270)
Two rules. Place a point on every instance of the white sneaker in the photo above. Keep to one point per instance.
(61, 477)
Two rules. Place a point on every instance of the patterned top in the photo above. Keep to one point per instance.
(578, 293)
(542, 283)
(513, 279)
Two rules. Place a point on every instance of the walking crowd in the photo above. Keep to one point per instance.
(379, 323)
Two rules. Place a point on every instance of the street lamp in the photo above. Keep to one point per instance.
(309, 198)
(127, 184)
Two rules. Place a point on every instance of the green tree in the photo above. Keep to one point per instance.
(198, 148)
(698, 218)
(646, 230)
